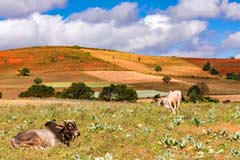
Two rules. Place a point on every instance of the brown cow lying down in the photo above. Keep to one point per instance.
(52, 135)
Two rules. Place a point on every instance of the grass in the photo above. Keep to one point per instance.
(126, 130)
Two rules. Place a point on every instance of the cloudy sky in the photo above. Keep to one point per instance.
(196, 28)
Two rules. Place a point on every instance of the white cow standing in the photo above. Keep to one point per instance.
(172, 101)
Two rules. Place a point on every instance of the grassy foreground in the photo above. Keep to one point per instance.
(126, 130)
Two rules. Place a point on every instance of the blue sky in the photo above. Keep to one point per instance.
(192, 28)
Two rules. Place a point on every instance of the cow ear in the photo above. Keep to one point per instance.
(65, 122)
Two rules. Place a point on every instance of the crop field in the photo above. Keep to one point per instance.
(126, 130)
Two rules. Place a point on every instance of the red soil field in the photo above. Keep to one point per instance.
(224, 66)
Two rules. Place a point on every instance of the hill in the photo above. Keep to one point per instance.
(63, 65)
(224, 66)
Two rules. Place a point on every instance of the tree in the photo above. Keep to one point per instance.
(194, 94)
(158, 68)
(24, 72)
(230, 76)
(38, 81)
(78, 91)
(206, 67)
(204, 89)
(213, 71)
(39, 91)
(118, 93)
(166, 79)
(194, 88)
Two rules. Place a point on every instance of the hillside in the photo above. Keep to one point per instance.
(224, 66)
(63, 65)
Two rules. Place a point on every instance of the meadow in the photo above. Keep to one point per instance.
(114, 130)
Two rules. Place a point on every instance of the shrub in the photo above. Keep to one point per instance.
(158, 68)
(213, 71)
(78, 91)
(24, 72)
(38, 81)
(204, 89)
(0, 94)
(118, 93)
(194, 88)
(76, 47)
(39, 91)
(166, 79)
(230, 76)
(206, 67)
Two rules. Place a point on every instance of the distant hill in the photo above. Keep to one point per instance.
(51, 59)
(63, 65)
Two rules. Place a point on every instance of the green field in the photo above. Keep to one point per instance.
(126, 130)
(68, 84)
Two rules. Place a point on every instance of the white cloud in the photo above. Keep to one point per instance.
(122, 14)
(19, 8)
(237, 56)
(195, 48)
(190, 9)
(148, 33)
(231, 10)
(232, 42)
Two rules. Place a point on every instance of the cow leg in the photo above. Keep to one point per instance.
(172, 108)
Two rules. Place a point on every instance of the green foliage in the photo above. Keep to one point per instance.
(24, 72)
(158, 68)
(195, 89)
(213, 71)
(233, 76)
(166, 79)
(206, 67)
(230, 76)
(195, 94)
(38, 81)
(78, 91)
(39, 91)
(76, 47)
(118, 93)
(235, 152)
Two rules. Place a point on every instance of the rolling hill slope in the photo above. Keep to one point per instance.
(71, 64)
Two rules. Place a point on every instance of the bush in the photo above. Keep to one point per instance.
(166, 79)
(0, 94)
(118, 93)
(195, 97)
(77, 91)
(194, 88)
(213, 71)
(230, 76)
(38, 81)
(195, 94)
(39, 91)
(24, 72)
(206, 67)
(158, 68)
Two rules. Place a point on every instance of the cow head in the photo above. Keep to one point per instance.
(70, 129)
